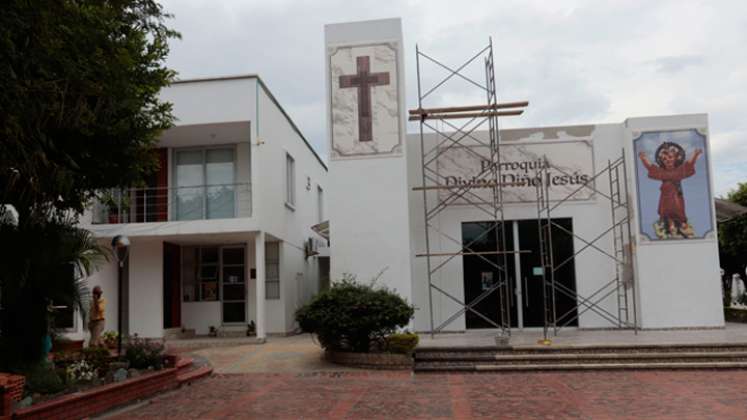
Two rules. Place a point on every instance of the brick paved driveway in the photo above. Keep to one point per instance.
(388, 395)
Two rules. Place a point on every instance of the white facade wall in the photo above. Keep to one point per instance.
(679, 279)
(590, 218)
(677, 282)
(237, 112)
(369, 216)
(146, 288)
(213, 101)
(299, 276)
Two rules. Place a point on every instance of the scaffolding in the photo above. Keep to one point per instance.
(450, 136)
(622, 283)
(476, 116)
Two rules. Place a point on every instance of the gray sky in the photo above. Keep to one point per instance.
(575, 61)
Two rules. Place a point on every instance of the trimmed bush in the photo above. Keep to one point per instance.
(404, 343)
(142, 353)
(349, 315)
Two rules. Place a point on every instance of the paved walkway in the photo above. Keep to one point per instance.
(294, 354)
(382, 395)
(287, 379)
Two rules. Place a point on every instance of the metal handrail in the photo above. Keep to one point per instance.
(161, 204)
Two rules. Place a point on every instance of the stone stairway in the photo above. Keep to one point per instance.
(189, 369)
(597, 357)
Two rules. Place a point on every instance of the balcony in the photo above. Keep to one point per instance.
(165, 204)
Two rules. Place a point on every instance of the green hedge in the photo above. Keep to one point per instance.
(350, 316)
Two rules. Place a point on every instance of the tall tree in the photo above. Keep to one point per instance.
(79, 112)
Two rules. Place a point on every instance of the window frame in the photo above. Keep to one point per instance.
(290, 181)
(173, 182)
(268, 279)
(320, 202)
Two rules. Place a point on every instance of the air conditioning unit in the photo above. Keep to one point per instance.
(311, 248)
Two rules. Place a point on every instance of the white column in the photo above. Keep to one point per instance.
(259, 261)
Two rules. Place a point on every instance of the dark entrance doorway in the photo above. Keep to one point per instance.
(172, 298)
(525, 295)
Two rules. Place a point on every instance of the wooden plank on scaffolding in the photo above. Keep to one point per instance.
(456, 254)
(421, 111)
(469, 185)
(448, 116)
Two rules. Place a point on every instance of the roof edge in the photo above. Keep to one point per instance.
(215, 79)
(269, 95)
(290, 121)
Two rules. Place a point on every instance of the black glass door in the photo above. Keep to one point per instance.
(483, 272)
(531, 273)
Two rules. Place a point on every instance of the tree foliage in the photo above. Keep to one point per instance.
(79, 112)
(733, 234)
(79, 84)
(62, 255)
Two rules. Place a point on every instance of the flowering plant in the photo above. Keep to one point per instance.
(80, 371)
(143, 353)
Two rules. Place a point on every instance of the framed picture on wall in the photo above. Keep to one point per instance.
(673, 185)
(210, 290)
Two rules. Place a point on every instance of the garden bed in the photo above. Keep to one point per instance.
(389, 361)
(100, 399)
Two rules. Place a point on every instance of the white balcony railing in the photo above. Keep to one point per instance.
(157, 204)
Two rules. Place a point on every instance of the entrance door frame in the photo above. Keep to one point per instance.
(519, 276)
(243, 247)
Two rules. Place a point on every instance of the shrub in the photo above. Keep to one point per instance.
(43, 379)
(404, 343)
(350, 315)
(97, 357)
(142, 353)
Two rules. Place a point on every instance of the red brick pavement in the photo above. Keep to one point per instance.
(388, 395)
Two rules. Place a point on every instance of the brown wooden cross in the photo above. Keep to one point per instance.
(364, 81)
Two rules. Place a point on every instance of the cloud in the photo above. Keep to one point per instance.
(673, 65)
(576, 61)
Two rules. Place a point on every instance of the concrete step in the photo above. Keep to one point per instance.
(585, 349)
(192, 375)
(183, 363)
(575, 357)
(178, 333)
(587, 361)
(580, 366)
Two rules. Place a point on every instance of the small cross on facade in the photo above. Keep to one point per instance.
(364, 80)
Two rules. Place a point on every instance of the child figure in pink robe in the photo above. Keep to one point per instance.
(671, 168)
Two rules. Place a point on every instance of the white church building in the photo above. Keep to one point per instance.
(586, 226)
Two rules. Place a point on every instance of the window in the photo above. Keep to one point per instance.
(63, 316)
(216, 273)
(234, 285)
(272, 270)
(200, 274)
(208, 274)
(205, 184)
(320, 202)
(290, 181)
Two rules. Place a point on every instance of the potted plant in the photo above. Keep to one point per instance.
(251, 329)
(116, 203)
(110, 339)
